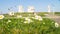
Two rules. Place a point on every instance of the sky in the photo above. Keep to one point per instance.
(40, 5)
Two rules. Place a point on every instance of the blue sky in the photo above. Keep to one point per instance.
(40, 5)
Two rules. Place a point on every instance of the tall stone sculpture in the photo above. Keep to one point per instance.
(49, 9)
(20, 9)
(31, 9)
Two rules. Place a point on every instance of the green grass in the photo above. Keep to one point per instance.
(17, 26)
(57, 13)
(25, 14)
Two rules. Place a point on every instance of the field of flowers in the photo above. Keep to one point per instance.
(28, 25)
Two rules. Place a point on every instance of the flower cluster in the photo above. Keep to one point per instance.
(27, 20)
(29, 25)
(19, 16)
(8, 21)
(38, 17)
(56, 25)
(11, 13)
(1, 16)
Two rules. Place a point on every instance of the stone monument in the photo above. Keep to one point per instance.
(31, 9)
(20, 9)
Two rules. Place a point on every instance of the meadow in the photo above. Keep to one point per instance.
(28, 24)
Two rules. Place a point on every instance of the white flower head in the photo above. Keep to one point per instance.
(1, 16)
(56, 25)
(25, 22)
(19, 16)
(28, 20)
(8, 21)
(38, 17)
(11, 13)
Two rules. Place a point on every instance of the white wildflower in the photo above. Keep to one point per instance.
(11, 13)
(8, 21)
(1, 16)
(19, 16)
(38, 17)
(56, 25)
(27, 20)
